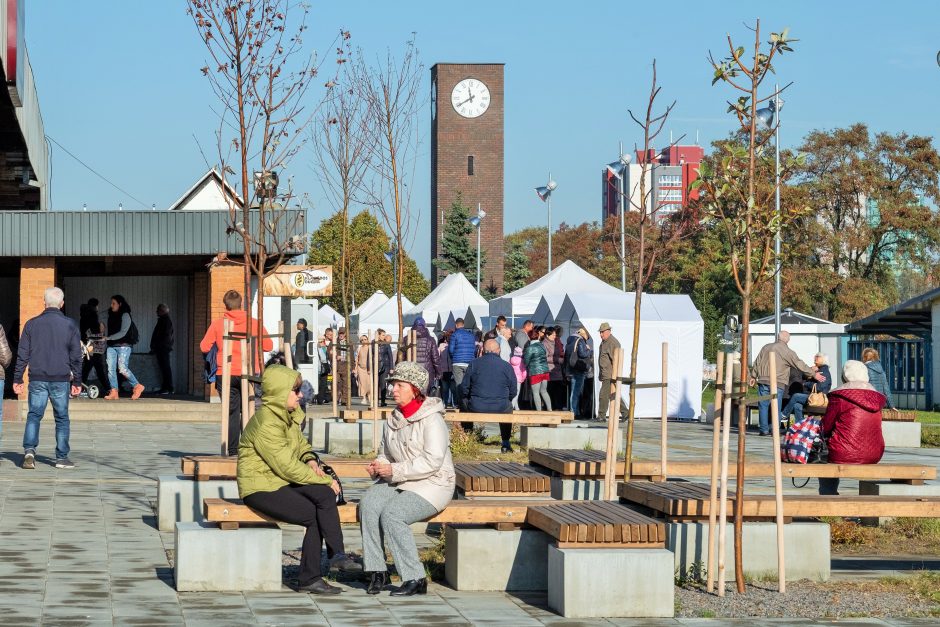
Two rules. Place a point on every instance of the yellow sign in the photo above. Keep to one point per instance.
(302, 281)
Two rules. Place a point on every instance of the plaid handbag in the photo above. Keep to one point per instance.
(797, 444)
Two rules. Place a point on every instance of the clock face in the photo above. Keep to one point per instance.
(471, 98)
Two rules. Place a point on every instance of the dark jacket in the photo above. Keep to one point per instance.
(852, 425)
(88, 322)
(535, 358)
(303, 339)
(50, 346)
(385, 357)
(821, 386)
(427, 354)
(162, 339)
(6, 356)
(462, 346)
(584, 355)
(119, 329)
(879, 381)
(555, 354)
(489, 385)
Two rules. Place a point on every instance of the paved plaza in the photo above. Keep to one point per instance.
(80, 547)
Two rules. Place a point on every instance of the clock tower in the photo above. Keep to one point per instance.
(467, 156)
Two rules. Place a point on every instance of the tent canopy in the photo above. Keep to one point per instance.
(328, 317)
(371, 304)
(454, 293)
(384, 317)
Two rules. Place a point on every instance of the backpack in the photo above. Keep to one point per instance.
(802, 443)
(133, 335)
(576, 364)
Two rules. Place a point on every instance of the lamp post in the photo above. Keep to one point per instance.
(768, 117)
(545, 194)
(392, 257)
(620, 170)
(477, 222)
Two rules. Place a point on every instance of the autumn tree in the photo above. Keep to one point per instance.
(583, 244)
(457, 254)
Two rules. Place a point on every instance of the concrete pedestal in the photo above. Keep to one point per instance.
(886, 488)
(211, 560)
(316, 432)
(179, 498)
(350, 437)
(577, 489)
(901, 434)
(806, 546)
(567, 436)
(483, 559)
(599, 583)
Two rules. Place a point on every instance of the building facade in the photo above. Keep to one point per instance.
(669, 173)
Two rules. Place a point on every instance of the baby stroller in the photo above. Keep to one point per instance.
(96, 345)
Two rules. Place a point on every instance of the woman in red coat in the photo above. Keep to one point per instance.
(852, 424)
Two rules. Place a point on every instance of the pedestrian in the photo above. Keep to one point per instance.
(415, 480)
(489, 387)
(579, 355)
(877, 377)
(760, 374)
(278, 475)
(324, 349)
(462, 349)
(302, 354)
(91, 329)
(214, 337)
(161, 345)
(497, 332)
(504, 338)
(427, 355)
(6, 357)
(518, 368)
(798, 400)
(385, 364)
(536, 363)
(363, 369)
(341, 349)
(555, 353)
(522, 335)
(606, 374)
(51, 348)
(121, 338)
(448, 387)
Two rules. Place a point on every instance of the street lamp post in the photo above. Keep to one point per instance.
(477, 222)
(545, 194)
(620, 170)
(767, 117)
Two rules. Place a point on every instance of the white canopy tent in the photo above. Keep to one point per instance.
(371, 304)
(453, 294)
(477, 317)
(569, 277)
(328, 317)
(384, 317)
(665, 318)
(548, 308)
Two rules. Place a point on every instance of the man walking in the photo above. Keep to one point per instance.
(51, 348)
(760, 374)
(489, 386)
(385, 364)
(462, 349)
(161, 345)
(605, 372)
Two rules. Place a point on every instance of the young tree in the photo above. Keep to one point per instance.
(744, 208)
(457, 254)
(261, 74)
(516, 273)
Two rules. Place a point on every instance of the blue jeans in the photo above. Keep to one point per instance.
(763, 407)
(577, 386)
(795, 406)
(40, 392)
(118, 358)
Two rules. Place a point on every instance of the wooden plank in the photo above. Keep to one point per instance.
(702, 468)
(547, 419)
(612, 545)
(218, 467)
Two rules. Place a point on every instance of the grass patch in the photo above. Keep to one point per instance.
(909, 536)
(928, 417)
(930, 436)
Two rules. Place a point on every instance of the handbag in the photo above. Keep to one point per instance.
(799, 442)
(817, 399)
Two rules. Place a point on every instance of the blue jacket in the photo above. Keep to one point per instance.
(584, 354)
(821, 386)
(51, 347)
(462, 347)
(879, 381)
(489, 385)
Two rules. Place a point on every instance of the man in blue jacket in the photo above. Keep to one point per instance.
(462, 348)
(489, 386)
(51, 347)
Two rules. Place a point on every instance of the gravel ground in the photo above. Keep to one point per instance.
(806, 599)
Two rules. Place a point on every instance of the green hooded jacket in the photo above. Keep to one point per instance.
(272, 451)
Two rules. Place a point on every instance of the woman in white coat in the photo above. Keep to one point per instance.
(416, 479)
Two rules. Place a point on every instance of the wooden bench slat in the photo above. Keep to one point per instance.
(218, 467)
(702, 468)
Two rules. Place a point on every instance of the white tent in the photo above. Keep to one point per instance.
(808, 335)
(548, 309)
(453, 294)
(328, 317)
(371, 304)
(568, 277)
(384, 317)
(477, 317)
(665, 318)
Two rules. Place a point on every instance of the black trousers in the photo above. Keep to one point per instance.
(557, 392)
(313, 507)
(166, 373)
(234, 411)
(96, 362)
(383, 387)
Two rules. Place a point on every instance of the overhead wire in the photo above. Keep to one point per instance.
(96, 173)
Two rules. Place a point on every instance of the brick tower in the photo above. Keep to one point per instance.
(467, 155)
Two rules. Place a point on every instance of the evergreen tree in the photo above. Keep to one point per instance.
(457, 253)
(516, 273)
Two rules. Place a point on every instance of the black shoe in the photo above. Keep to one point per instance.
(377, 582)
(763, 433)
(319, 586)
(411, 587)
(346, 564)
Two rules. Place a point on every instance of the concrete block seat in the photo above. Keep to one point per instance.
(901, 434)
(566, 436)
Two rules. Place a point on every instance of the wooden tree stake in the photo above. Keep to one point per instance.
(613, 421)
(778, 473)
(375, 395)
(663, 410)
(723, 501)
(335, 385)
(713, 485)
(226, 381)
(245, 344)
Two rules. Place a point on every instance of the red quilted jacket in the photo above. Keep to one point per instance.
(853, 426)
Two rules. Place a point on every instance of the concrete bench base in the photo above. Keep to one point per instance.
(577, 489)
(599, 583)
(806, 545)
(211, 560)
(887, 488)
(901, 434)
(349, 437)
(179, 498)
(483, 559)
(567, 436)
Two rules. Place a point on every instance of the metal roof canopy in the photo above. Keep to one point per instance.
(791, 316)
(129, 233)
(912, 317)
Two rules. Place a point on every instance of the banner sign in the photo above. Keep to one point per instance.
(300, 281)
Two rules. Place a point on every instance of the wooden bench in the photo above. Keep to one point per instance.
(504, 479)
(573, 463)
(912, 474)
(205, 467)
(524, 417)
(688, 501)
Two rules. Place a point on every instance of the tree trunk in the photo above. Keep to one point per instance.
(631, 411)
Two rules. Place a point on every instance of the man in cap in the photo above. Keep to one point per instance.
(605, 373)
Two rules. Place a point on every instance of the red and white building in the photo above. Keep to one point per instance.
(669, 174)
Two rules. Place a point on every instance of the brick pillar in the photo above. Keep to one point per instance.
(36, 275)
(199, 322)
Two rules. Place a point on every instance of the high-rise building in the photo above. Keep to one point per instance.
(669, 174)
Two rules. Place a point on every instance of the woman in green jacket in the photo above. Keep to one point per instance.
(536, 362)
(278, 476)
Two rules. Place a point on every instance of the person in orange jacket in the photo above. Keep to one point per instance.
(237, 316)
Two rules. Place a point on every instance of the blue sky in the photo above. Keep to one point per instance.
(119, 85)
